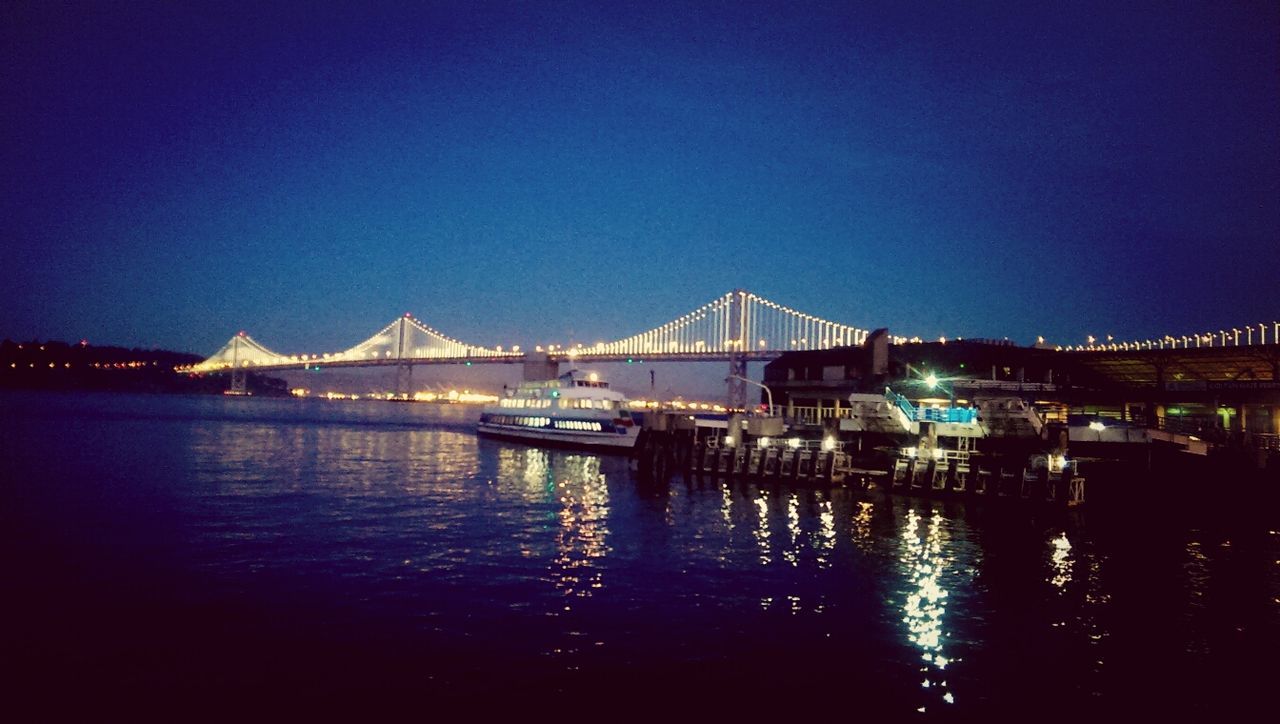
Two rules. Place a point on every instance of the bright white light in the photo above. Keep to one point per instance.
(829, 443)
(794, 442)
(764, 442)
(1096, 425)
(931, 380)
(728, 440)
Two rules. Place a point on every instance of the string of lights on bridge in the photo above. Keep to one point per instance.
(736, 324)
(1234, 337)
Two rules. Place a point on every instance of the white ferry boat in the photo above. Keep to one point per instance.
(575, 410)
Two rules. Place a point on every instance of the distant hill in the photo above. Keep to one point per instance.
(53, 365)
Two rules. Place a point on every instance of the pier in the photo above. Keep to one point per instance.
(990, 420)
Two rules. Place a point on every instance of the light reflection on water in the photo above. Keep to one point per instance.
(422, 532)
(761, 531)
(1060, 562)
(584, 531)
(824, 541)
(925, 605)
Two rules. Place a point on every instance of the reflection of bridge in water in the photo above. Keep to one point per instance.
(736, 327)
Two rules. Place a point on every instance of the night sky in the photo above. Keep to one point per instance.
(551, 172)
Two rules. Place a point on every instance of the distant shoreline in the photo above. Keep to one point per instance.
(56, 365)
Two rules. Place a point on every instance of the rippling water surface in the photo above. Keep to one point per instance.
(178, 550)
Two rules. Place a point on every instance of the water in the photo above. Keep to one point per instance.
(160, 551)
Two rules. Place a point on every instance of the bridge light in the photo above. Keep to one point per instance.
(931, 380)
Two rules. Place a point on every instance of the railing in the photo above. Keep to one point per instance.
(1053, 413)
(1199, 425)
(959, 415)
(901, 402)
(1004, 385)
(815, 415)
(777, 443)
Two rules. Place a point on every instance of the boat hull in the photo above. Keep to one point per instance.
(602, 442)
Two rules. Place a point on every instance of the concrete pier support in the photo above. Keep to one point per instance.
(404, 380)
(239, 381)
(239, 376)
(538, 367)
(736, 395)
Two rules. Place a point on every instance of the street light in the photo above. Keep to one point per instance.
(933, 382)
(767, 391)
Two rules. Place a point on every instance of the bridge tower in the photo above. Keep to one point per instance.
(404, 371)
(538, 366)
(239, 376)
(737, 392)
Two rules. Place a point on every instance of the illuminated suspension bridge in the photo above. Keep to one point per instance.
(738, 327)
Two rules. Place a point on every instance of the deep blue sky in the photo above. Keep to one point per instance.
(527, 172)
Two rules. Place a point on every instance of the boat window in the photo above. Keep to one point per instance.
(564, 403)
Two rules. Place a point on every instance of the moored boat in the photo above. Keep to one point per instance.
(576, 409)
